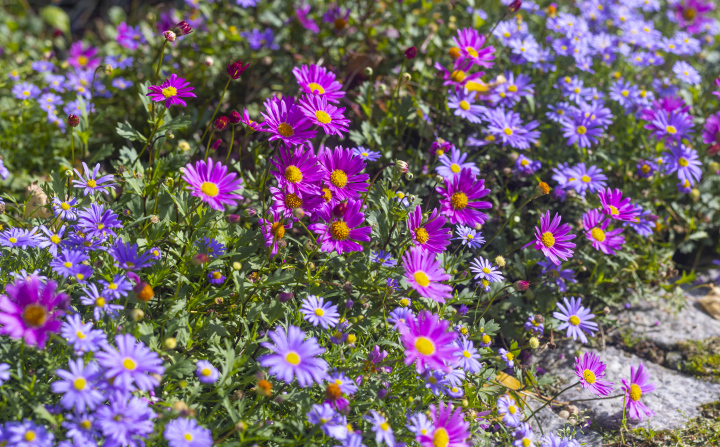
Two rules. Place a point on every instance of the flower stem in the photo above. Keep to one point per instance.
(232, 142)
(216, 111)
(508, 219)
(548, 402)
(207, 148)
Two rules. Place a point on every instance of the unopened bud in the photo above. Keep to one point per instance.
(221, 123)
(534, 343)
(236, 265)
(232, 218)
(348, 287)
(500, 261)
(209, 61)
(401, 166)
(170, 135)
(515, 6)
(235, 117)
(542, 189)
(439, 179)
(478, 226)
(351, 338)
(250, 212)
(137, 314)
(406, 77)
(368, 71)
(298, 213)
(169, 182)
(170, 343)
(73, 120)
(409, 176)
(108, 69)
(282, 243)
(695, 194)
(284, 297)
(410, 53)
(169, 36)
(521, 285)
(340, 209)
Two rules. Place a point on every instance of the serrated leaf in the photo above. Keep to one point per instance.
(125, 130)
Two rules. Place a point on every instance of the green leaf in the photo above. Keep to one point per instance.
(56, 18)
(125, 130)
(104, 152)
(176, 123)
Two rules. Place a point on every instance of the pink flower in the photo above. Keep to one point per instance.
(171, 91)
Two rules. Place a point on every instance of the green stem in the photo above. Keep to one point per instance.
(549, 401)
(212, 120)
(72, 146)
(207, 148)
(232, 141)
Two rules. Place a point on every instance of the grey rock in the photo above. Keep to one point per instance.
(673, 360)
(658, 323)
(675, 400)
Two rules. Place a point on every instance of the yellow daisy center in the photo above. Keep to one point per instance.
(512, 409)
(486, 270)
(421, 278)
(467, 354)
(316, 88)
(217, 275)
(486, 339)
(319, 312)
(671, 130)
(598, 234)
(277, 230)
(421, 235)
(80, 335)
(635, 392)
(645, 169)
(285, 130)
(585, 178)
(385, 426)
(79, 383)
(86, 424)
(129, 364)
(682, 161)
(424, 346)
(55, 239)
(339, 230)
(91, 183)
(338, 178)
(169, 92)
(209, 189)
(508, 131)
(29, 435)
(292, 358)
(459, 200)
(457, 76)
(589, 376)
(471, 51)
(441, 438)
(323, 116)
(65, 206)
(524, 162)
(581, 130)
(326, 194)
(548, 239)
(206, 372)
(455, 168)
(188, 437)
(34, 315)
(12, 239)
(574, 320)
(293, 201)
(613, 210)
(464, 105)
(82, 60)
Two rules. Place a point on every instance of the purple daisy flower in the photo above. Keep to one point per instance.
(209, 246)
(643, 224)
(129, 37)
(671, 125)
(131, 364)
(581, 130)
(576, 319)
(382, 429)
(614, 206)
(711, 132)
(459, 77)
(81, 57)
(171, 91)
(427, 342)
(342, 173)
(463, 102)
(510, 92)
(524, 166)
(65, 210)
(212, 183)
(460, 199)
(624, 93)
(634, 389)
(316, 80)
(127, 420)
(98, 222)
(297, 171)
(646, 168)
(66, 264)
(77, 386)
(294, 357)
(534, 326)
(552, 239)
(101, 304)
(52, 239)
(686, 162)
(117, 288)
(327, 116)
(424, 273)
(273, 230)
(127, 257)
(261, 39)
(31, 310)
(508, 128)
(467, 356)
(216, 277)
(469, 236)
(449, 427)
(183, 432)
(484, 269)
(590, 370)
(383, 258)
(341, 229)
(583, 179)
(206, 372)
(429, 235)
(366, 154)
(400, 316)
(691, 14)
(686, 73)
(596, 231)
(453, 164)
(509, 411)
(81, 335)
(470, 42)
(27, 434)
(91, 183)
(319, 312)
(286, 122)
(507, 357)
(523, 435)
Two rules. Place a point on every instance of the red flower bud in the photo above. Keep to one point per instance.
(521, 285)
(235, 117)
(410, 53)
(713, 149)
(200, 258)
(232, 218)
(340, 209)
(235, 69)
(221, 123)
(515, 6)
(73, 120)
(216, 144)
(182, 29)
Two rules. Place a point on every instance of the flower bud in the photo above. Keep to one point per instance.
(236, 69)
(235, 117)
(713, 149)
(73, 120)
(250, 212)
(170, 36)
(137, 314)
(232, 218)
(264, 387)
(144, 292)
(170, 135)
(108, 69)
(340, 209)
(333, 392)
(200, 259)
(515, 5)
(439, 179)
(406, 77)
(410, 53)
(284, 297)
(539, 318)
(401, 166)
(309, 246)
(714, 166)
(454, 52)
(500, 261)
(209, 61)
(348, 287)
(184, 145)
(170, 343)
(534, 343)
(221, 123)
(368, 71)
(182, 29)
(542, 189)
(236, 265)
(282, 243)
(521, 285)
(478, 226)
(695, 194)
(351, 339)
(298, 213)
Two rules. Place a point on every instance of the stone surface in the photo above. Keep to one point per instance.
(675, 400)
(656, 322)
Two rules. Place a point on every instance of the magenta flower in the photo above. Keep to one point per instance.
(212, 184)
(637, 386)
(297, 171)
(460, 196)
(320, 81)
(424, 272)
(459, 76)
(711, 132)
(429, 235)
(552, 239)
(31, 310)
(286, 122)
(449, 427)
(302, 13)
(427, 342)
(250, 123)
(693, 14)
(273, 229)
(342, 173)
(614, 206)
(327, 116)
(590, 370)
(596, 231)
(83, 58)
(470, 42)
(342, 228)
(171, 91)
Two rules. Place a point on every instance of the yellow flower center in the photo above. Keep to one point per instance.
(339, 230)
(421, 235)
(509, 356)
(508, 131)
(34, 315)
(100, 226)
(512, 409)
(455, 168)
(323, 116)
(574, 320)
(645, 169)
(209, 189)
(689, 14)
(293, 174)
(526, 442)
(365, 154)
(169, 92)
(326, 194)
(55, 239)
(441, 438)
(625, 93)
(82, 60)
(286, 130)
(66, 264)
(91, 183)
(29, 435)
(471, 51)
(464, 105)
(129, 364)
(188, 437)
(682, 161)
(12, 240)
(585, 179)
(292, 358)
(598, 234)
(589, 376)
(486, 270)
(421, 278)
(548, 239)
(316, 88)
(277, 230)
(319, 312)
(79, 383)
(467, 354)
(671, 130)
(457, 76)
(635, 392)
(581, 130)
(217, 275)
(385, 426)
(338, 178)
(80, 276)
(293, 201)
(613, 210)
(206, 372)
(80, 335)
(424, 346)
(86, 424)
(459, 200)
(524, 162)
(486, 339)
(65, 206)
(112, 286)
